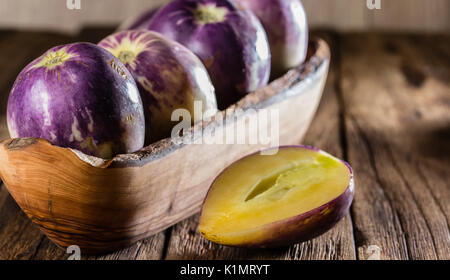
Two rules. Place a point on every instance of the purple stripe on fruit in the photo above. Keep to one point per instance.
(169, 77)
(229, 40)
(78, 96)
(287, 30)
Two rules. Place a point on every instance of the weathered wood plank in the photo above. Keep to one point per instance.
(395, 92)
(394, 95)
(342, 15)
(339, 15)
(326, 132)
(147, 249)
(20, 239)
(403, 15)
(186, 243)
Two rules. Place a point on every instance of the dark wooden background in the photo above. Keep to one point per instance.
(385, 109)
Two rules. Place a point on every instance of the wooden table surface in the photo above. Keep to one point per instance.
(385, 109)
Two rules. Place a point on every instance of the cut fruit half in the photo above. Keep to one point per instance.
(276, 200)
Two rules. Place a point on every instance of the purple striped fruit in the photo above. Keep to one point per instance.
(78, 96)
(229, 40)
(287, 30)
(277, 200)
(168, 75)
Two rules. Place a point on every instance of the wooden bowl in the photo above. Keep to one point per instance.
(102, 205)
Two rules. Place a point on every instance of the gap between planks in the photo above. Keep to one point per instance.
(412, 91)
(395, 93)
(325, 132)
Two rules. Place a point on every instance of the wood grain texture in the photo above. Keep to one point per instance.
(102, 206)
(392, 93)
(395, 91)
(339, 15)
(324, 132)
(20, 239)
(342, 15)
(54, 14)
(411, 16)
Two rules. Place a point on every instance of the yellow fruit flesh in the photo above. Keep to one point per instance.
(262, 189)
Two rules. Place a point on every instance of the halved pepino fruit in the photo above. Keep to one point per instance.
(262, 200)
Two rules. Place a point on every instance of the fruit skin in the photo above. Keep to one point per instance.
(298, 228)
(229, 40)
(168, 75)
(286, 26)
(305, 226)
(78, 96)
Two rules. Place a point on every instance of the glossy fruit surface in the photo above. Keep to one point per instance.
(277, 200)
(229, 40)
(286, 26)
(78, 96)
(168, 75)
